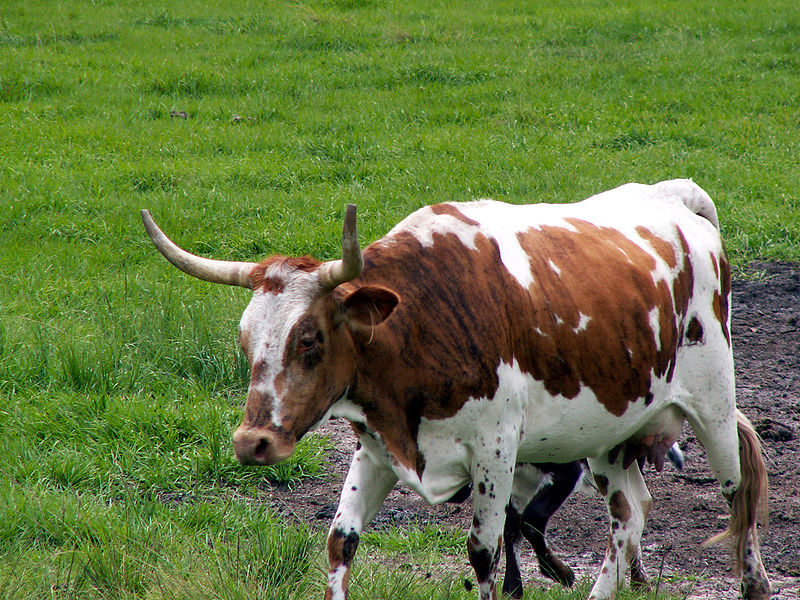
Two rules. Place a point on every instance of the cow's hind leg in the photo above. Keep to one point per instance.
(628, 503)
(734, 453)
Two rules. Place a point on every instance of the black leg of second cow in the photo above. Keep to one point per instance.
(538, 512)
(533, 524)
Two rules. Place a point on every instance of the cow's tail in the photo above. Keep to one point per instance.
(749, 503)
(694, 198)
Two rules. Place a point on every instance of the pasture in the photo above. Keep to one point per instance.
(245, 128)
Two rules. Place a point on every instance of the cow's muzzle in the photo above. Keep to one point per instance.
(260, 446)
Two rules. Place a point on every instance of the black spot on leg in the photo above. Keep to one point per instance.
(613, 454)
(482, 488)
(619, 507)
(648, 399)
(602, 484)
(694, 332)
(349, 547)
(342, 547)
(482, 561)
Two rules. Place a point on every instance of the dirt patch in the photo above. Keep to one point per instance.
(688, 506)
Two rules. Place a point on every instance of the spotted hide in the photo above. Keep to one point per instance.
(476, 336)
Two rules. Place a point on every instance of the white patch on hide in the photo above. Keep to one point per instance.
(655, 326)
(266, 324)
(583, 323)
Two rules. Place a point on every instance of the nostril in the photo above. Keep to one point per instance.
(261, 449)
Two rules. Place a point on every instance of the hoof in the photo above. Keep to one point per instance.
(557, 571)
(515, 593)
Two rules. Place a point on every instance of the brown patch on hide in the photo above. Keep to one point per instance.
(451, 210)
(694, 331)
(341, 550)
(646, 506)
(608, 278)
(618, 507)
(714, 264)
(443, 342)
(613, 454)
(721, 301)
(683, 287)
(287, 264)
(314, 377)
(662, 247)
(602, 484)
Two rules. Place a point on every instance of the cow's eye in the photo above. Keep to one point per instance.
(306, 343)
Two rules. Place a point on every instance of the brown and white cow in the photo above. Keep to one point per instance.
(479, 335)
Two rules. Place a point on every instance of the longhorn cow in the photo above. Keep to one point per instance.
(477, 336)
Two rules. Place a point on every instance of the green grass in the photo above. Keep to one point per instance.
(120, 381)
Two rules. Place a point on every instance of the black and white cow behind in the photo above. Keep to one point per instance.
(476, 336)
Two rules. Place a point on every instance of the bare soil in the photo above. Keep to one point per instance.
(688, 507)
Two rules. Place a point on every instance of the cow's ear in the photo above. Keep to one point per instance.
(369, 305)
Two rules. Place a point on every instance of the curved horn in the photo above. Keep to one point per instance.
(216, 271)
(336, 272)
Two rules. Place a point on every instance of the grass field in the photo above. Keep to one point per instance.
(245, 127)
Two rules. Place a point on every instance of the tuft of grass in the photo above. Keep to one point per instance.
(420, 539)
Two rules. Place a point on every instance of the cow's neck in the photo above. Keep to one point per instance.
(385, 418)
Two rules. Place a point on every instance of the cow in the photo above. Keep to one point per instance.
(475, 336)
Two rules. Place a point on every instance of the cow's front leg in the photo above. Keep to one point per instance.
(492, 480)
(628, 503)
(367, 483)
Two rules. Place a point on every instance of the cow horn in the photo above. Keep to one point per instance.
(336, 272)
(216, 271)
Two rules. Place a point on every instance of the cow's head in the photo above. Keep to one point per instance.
(297, 333)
